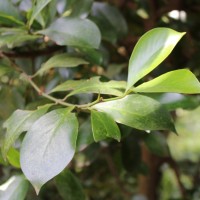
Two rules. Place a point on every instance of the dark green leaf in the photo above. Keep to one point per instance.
(69, 186)
(93, 85)
(178, 81)
(157, 144)
(103, 126)
(20, 121)
(79, 8)
(62, 60)
(110, 21)
(9, 15)
(85, 136)
(152, 48)
(74, 32)
(14, 40)
(37, 8)
(139, 112)
(49, 146)
(14, 189)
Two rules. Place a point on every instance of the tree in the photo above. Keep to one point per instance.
(70, 102)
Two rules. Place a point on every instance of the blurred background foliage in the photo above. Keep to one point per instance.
(143, 166)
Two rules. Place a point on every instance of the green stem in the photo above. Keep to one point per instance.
(59, 101)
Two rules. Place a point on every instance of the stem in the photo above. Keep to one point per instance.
(59, 101)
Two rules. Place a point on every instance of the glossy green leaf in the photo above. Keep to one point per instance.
(62, 60)
(37, 8)
(13, 157)
(18, 122)
(74, 32)
(178, 81)
(69, 186)
(14, 189)
(103, 126)
(110, 21)
(139, 112)
(152, 48)
(49, 146)
(92, 85)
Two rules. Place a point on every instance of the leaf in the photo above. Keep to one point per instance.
(172, 101)
(151, 49)
(9, 15)
(49, 146)
(14, 189)
(69, 186)
(139, 112)
(62, 60)
(13, 157)
(104, 126)
(4, 67)
(14, 40)
(37, 8)
(85, 136)
(92, 85)
(18, 122)
(110, 21)
(74, 32)
(178, 81)
(157, 144)
(79, 8)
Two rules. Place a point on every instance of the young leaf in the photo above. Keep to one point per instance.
(49, 146)
(139, 112)
(69, 186)
(38, 7)
(20, 121)
(92, 85)
(178, 81)
(15, 188)
(13, 157)
(103, 126)
(152, 48)
(74, 32)
(62, 60)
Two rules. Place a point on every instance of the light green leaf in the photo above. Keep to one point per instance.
(110, 21)
(49, 146)
(92, 85)
(37, 8)
(178, 81)
(74, 32)
(139, 112)
(103, 126)
(69, 186)
(13, 157)
(152, 48)
(14, 189)
(18, 122)
(62, 60)
(4, 67)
